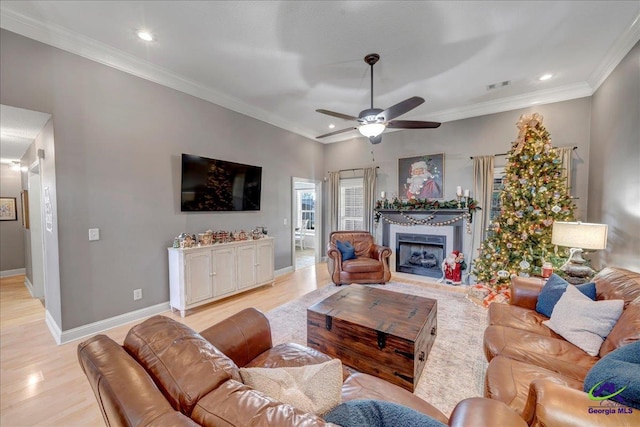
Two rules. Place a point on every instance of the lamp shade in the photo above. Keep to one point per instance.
(372, 129)
(579, 235)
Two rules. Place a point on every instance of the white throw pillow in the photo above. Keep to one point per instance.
(313, 389)
(583, 322)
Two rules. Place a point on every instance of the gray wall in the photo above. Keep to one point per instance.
(11, 232)
(614, 176)
(118, 141)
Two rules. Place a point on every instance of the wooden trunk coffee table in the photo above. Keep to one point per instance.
(378, 332)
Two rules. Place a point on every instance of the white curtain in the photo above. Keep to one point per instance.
(334, 201)
(369, 196)
(483, 190)
(566, 157)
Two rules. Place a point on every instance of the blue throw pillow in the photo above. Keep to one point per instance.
(378, 413)
(618, 371)
(589, 289)
(553, 290)
(346, 249)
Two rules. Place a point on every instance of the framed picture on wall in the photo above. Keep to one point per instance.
(24, 199)
(8, 209)
(421, 177)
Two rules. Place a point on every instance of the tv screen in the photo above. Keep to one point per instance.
(218, 185)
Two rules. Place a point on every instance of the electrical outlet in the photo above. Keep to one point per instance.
(137, 294)
(285, 221)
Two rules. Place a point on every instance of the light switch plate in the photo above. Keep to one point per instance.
(94, 234)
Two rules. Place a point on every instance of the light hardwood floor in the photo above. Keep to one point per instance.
(42, 384)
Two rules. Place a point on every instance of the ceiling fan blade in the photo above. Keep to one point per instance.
(338, 115)
(412, 124)
(336, 132)
(375, 139)
(400, 108)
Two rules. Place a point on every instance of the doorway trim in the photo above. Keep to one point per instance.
(318, 218)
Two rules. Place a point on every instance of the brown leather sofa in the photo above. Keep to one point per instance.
(538, 373)
(370, 266)
(166, 374)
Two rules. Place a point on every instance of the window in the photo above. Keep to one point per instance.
(352, 204)
(498, 185)
(308, 209)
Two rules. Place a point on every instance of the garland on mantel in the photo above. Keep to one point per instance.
(424, 205)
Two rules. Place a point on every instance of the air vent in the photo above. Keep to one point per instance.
(498, 85)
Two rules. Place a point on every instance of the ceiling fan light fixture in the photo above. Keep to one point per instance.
(372, 129)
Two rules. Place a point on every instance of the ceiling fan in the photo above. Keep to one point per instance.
(374, 121)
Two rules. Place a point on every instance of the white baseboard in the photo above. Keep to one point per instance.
(284, 271)
(14, 272)
(28, 285)
(103, 325)
(53, 327)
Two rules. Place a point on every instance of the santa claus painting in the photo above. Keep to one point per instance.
(423, 184)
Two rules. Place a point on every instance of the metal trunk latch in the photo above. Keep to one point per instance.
(328, 322)
(382, 340)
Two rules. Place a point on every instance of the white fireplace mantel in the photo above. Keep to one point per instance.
(394, 222)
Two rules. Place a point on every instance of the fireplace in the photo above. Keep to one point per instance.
(420, 254)
(419, 248)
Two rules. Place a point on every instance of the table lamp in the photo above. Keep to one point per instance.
(578, 236)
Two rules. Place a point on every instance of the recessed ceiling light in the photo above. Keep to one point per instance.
(145, 35)
(331, 126)
(545, 77)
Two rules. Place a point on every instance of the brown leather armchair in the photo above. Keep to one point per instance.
(371, 264)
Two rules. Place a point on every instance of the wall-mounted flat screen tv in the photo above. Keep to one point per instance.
(218, 185)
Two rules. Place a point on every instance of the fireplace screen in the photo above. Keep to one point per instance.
(420, 254)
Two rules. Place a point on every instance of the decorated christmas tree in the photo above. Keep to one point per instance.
(535, 195)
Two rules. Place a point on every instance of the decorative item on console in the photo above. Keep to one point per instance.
(206, 238)
(210, 237)
(186, 240)
(241, 235)
(222, 237)
(257, 233)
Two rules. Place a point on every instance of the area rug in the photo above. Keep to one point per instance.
(455, 367)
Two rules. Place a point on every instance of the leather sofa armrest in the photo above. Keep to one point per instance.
(379, 252)
(525, 291)
(241, 337)
(479, 411)
(334, 262)
(333, 253)
(553, 404)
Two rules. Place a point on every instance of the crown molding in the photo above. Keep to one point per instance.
(616, 53)
(546, 96)
(91, 49)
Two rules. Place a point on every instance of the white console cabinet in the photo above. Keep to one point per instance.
(204, 274)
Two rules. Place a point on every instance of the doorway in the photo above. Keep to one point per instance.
(306, 222)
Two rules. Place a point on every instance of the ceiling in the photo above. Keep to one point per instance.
(278, 61)
(18, 129)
